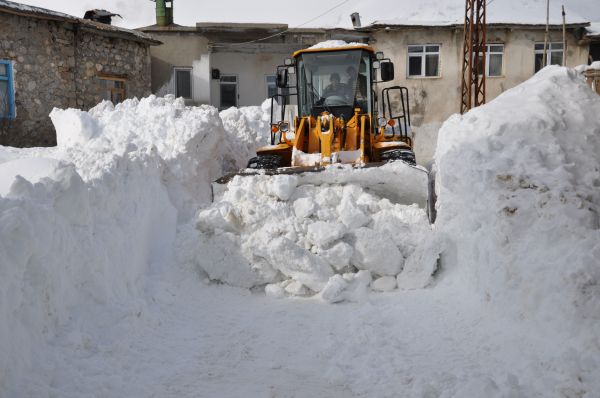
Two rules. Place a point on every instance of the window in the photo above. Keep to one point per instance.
(7, 93)
(229, 95)
(424, 61)
(113, 88)
(493, 60)
(271, 85)
(554, 55)
(183, 82)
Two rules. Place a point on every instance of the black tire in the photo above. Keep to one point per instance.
(406, 155)
(267, 162)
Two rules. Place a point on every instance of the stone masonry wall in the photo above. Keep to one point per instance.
(107, 56)
(57, 65)
(43, 65)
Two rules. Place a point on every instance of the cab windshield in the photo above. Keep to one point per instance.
(336, 82)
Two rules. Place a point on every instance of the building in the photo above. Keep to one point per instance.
(49, 59)
(227, 64)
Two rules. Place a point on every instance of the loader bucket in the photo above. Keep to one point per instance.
(397, 181)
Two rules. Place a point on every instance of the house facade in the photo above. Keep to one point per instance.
(428, 61)
(227, 64)
(50, 59)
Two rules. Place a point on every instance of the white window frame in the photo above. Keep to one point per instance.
(237, 89)
(270, 84)
(423, 57)
(488, 52)
(549, 52)
(187, 69)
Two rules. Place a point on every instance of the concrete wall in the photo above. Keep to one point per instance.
(56, 67)
(434, 99)
(180, 49)
(250, 70)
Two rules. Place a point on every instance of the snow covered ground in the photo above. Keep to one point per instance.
(109, 284)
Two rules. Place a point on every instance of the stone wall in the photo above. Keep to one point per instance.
(55, 64)
(99, 56)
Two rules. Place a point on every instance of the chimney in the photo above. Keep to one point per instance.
(355, 17)
(101, 16)
(164, 12)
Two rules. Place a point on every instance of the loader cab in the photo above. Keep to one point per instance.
(336, 81)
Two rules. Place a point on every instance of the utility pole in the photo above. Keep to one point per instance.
(545, 56)
(564, 37)
(474, 56)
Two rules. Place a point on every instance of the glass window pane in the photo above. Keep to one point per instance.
(271, 79)
(556, 57)
(4, 109)
(228, 95)
(538, 62)
(183, 84)
(3, 70)
(230, 79)
(478, 63)
(431, 65)
(495, 67)
(414, 66)
(539, 46)
(496, 49)
(432, 49)
(415, 49)
(556, 46)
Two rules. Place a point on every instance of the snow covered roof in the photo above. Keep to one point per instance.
(375, 13)
(593, 30)
(43, 13)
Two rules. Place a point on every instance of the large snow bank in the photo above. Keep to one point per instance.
(248, 128)
(83, 225)
(519, 195)
(294, 237)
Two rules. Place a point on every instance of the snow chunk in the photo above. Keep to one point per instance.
(350, 287)
(384, 284)
(374, 251)
(323, 234)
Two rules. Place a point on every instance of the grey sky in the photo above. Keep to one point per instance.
(138, 13)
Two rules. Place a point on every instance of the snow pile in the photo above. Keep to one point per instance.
(336, 43)
(519, 196)
(82, 226)
(248, 129)
(303, 238)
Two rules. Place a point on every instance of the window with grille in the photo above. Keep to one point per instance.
(113, 88)
(424, 60)
(7, 92)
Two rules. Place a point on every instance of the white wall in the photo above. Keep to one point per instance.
(250, 70)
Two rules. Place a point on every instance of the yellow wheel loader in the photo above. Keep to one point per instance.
(342, 132)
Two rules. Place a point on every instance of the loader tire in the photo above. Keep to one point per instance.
(405, 155)
(268, 162)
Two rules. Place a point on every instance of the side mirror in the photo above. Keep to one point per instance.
(282, 78)
(387, 71)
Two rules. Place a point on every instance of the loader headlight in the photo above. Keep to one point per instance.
(381, 122)
(284, 127)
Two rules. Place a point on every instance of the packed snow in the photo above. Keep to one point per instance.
(118, 277)
(336, 43)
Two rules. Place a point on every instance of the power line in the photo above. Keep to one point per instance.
(283, 31)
